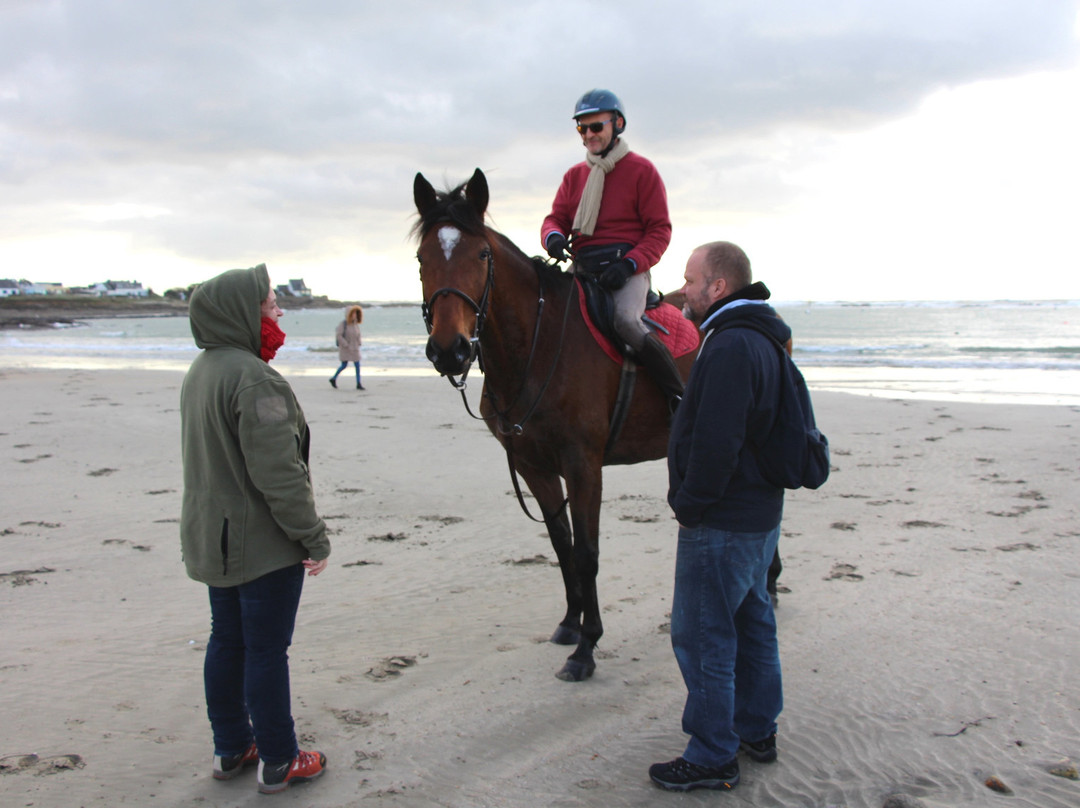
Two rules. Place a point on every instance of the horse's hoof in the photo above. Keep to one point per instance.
(574, 671)
(566, 636)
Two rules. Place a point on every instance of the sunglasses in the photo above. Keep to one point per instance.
(596, 127)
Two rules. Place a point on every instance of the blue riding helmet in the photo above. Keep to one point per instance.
(601, 101)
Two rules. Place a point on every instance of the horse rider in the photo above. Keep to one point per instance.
(613, 209)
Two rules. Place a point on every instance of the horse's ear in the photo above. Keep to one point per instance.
(477, 192)
(423, 194)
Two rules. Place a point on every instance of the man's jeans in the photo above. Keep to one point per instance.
(246, 671)
(724, 633)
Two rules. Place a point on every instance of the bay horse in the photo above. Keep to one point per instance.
(549, 389)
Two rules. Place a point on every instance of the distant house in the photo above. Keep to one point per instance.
(294, 288)
(119, 289)
(28, 288)
(8, 287)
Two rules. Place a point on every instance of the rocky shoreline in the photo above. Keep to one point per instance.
(51, 311)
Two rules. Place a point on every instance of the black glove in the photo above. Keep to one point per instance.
(556, 247)
(616, 274)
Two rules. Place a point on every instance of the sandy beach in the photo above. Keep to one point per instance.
(928, 623)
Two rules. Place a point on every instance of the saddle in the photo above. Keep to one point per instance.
(598, 307)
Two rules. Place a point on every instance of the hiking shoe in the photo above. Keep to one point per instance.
(682, 775)
(226, 767)
(278, 777)
(760, 751)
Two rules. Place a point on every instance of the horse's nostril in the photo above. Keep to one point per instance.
(451, 360)
(461, 350)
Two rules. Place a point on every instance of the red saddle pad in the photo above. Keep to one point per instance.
(682, 336)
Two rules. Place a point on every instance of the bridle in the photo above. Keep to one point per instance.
(479, 309)
(500, 416)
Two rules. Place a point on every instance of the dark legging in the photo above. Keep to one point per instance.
(346, 364)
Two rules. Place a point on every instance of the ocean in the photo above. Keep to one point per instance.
(1007, 351)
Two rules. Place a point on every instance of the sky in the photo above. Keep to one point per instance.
(858, 150)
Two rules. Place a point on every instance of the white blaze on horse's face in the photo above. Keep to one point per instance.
(449, 238)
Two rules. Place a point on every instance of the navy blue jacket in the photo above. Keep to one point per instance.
(732, 395)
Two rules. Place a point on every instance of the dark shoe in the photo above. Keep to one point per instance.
(359, 386)
(682, 775)
(760, 751)
(333, 383)
(302, 768)
(226, 767)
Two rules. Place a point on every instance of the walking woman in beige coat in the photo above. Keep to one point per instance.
(348, 343)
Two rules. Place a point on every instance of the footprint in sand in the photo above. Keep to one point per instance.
(142, 548)
(389, 668)
(539, 558)
(1012, 548)
(387, 537)
(17, 764)
(358, 718)
(843, 572)
(363, 759)
(443, 520)
(1018, 510)
(24, 577)
(35, 459)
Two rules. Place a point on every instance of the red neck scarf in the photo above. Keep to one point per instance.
(272, 339)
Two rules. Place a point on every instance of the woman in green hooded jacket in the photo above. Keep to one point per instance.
(248, 524)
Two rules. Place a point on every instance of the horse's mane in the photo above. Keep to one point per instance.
(452, 207)
(550, 273)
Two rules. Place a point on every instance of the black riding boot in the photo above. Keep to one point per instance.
(661, 366)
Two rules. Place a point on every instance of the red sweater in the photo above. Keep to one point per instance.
(633, 210)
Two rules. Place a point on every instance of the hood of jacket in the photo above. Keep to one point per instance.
(225, 310)
(762, 314)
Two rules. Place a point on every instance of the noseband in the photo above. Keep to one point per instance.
(479, 309)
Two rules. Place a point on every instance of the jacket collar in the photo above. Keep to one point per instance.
(755, 293)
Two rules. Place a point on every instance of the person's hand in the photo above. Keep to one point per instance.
(556, 247)
(616, 274)
(315, 567)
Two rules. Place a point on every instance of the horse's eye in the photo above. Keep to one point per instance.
(485, 254)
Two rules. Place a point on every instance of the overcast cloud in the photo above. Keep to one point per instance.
(167, 141)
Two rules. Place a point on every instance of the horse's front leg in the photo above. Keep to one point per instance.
(548, 491)
(585, 490)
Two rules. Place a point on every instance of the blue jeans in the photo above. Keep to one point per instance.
(345, 365)
(723, 631)
(246, 672)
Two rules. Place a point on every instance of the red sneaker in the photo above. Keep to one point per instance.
(278, 777)
(226, 767)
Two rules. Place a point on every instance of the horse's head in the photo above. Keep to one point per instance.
(456, 269)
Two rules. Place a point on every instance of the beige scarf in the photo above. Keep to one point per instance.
(589, 206)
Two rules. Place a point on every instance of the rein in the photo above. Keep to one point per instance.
(519, 427)
(460, 384)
